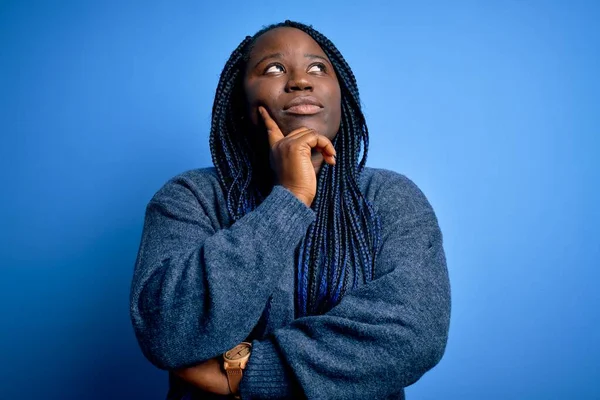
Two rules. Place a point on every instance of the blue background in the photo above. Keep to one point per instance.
(492, 108)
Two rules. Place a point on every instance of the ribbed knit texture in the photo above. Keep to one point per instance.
(201, 285)
(266, 378)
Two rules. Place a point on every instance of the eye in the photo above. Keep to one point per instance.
(317, 67)
(274, 68)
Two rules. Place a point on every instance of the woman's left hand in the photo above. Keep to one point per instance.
(208, 376)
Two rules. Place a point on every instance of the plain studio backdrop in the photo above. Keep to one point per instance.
(492, 108)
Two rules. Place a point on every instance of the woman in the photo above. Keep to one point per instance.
(325, 278)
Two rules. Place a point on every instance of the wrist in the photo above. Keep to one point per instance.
(301, 195)
(208, 376)
(234, 362)
(307, 201)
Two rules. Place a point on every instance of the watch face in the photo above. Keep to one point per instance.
(240, 351)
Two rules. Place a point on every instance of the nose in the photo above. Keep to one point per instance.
(298, 82)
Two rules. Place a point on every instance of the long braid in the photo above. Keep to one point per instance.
(341, 244)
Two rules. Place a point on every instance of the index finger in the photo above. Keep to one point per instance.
(273, 131)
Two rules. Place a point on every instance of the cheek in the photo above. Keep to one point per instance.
(251, 104)
(339, 105)
(259, 95)
(336, 114)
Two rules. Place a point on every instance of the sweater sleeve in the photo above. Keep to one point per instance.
(382, 336)
(191, 277)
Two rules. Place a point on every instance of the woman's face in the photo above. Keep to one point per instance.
(289, 74)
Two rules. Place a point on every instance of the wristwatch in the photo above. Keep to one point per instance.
(234, 361)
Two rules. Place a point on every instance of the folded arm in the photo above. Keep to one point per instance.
(382, 336)
(198, 290)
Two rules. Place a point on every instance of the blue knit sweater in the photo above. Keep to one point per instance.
(202, 285)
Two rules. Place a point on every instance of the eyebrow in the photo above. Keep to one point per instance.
(280, 55)
(317, 56)
(274, 55)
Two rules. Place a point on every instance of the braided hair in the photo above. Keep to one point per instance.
(340, 246)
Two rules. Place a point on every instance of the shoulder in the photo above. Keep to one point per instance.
(399, 204)
(192, 191)
(392, 192)
(203, 181)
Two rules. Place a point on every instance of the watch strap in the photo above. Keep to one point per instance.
(234, 377)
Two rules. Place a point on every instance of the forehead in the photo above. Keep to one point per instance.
(285, 40)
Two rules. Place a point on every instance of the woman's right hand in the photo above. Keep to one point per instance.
(291, 157)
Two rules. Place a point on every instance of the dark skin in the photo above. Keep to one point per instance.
(291, 87)
(293, 93)
(286, 63)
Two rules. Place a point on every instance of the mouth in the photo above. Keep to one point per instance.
(303, 105)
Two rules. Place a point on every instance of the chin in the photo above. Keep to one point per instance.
(297, 122)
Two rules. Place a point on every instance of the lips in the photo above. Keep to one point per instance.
(303, 105)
